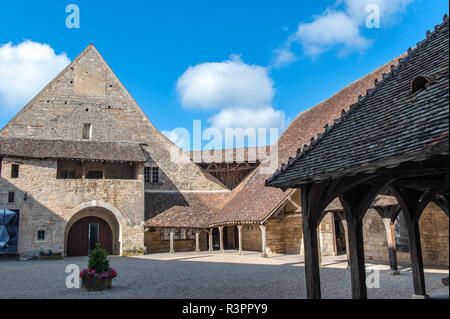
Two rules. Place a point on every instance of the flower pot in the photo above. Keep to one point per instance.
(96, 284)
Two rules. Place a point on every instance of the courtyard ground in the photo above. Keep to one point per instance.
(203, 275)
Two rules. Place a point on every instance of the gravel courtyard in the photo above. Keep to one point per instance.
(202, 275)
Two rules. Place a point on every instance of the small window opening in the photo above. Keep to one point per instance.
(14, 171)
(11, 197)
(155, 175)
(87, 131)
(419, 83)
(68, 175)
(94, 175)
(147, 176)
(41, 235)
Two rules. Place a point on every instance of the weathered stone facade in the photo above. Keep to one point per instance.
(433, 225)
(47, 203)
(87, 91)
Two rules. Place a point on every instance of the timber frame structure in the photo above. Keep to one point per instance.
(405, 155)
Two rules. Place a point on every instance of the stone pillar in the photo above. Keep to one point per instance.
(197, 240)
(389, 228)
(319, 246)
(221, 238)
(263, 241)
(239, 227)
(344, 224)
(210, 238)
(172, 235)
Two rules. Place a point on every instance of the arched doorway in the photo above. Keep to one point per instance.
(85, 233)
(109, 221)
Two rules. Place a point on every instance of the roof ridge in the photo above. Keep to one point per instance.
(55, 79)
(386, 77)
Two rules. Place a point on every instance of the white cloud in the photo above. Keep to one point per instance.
(266, 117)
(388, 9)
(230, 83)
(283, 57)
(175, 136)
(25, 69)
(333, 28)
(339, 26)
(240, 93)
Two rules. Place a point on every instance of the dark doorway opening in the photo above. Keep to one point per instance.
(340, 235)
(85, 233)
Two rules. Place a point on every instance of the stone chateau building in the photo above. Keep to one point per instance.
(82, 163)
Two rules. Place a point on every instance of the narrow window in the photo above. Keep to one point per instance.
(14, 171)
(147, 177)
(41, 235)
(155, 175)
(94, 175)
(87, 131)
(11, 196)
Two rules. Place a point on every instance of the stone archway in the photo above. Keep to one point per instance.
(112, 218)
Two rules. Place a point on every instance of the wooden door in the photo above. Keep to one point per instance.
(78, 238)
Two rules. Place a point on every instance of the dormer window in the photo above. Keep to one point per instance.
(87, 131)
(419, 83)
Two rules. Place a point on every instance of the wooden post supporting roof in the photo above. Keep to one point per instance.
(388, 215)
(412, 203)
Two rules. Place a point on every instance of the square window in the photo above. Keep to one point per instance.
(11, 196)
(41, 235)
(14, 171)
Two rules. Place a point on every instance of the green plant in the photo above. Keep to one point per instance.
(50, 252)
(98, 259)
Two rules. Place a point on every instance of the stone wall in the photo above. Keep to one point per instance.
(47, 203)
(251, 237)
(88, 91)
(156, 244)
(434, 231)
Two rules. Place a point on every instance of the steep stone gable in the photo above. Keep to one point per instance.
(87, 91)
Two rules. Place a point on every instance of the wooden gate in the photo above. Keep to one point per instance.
(78, 238)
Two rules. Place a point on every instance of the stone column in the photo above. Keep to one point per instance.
(210, 238)
(172, 235)
(319, 245)
(197, 240)
(344, 224)
(221, 238)
(263, 241)
(239, 227)
(388, 226)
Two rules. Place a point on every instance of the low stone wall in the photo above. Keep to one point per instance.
(154, 244)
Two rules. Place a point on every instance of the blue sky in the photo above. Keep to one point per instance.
(150, 45)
